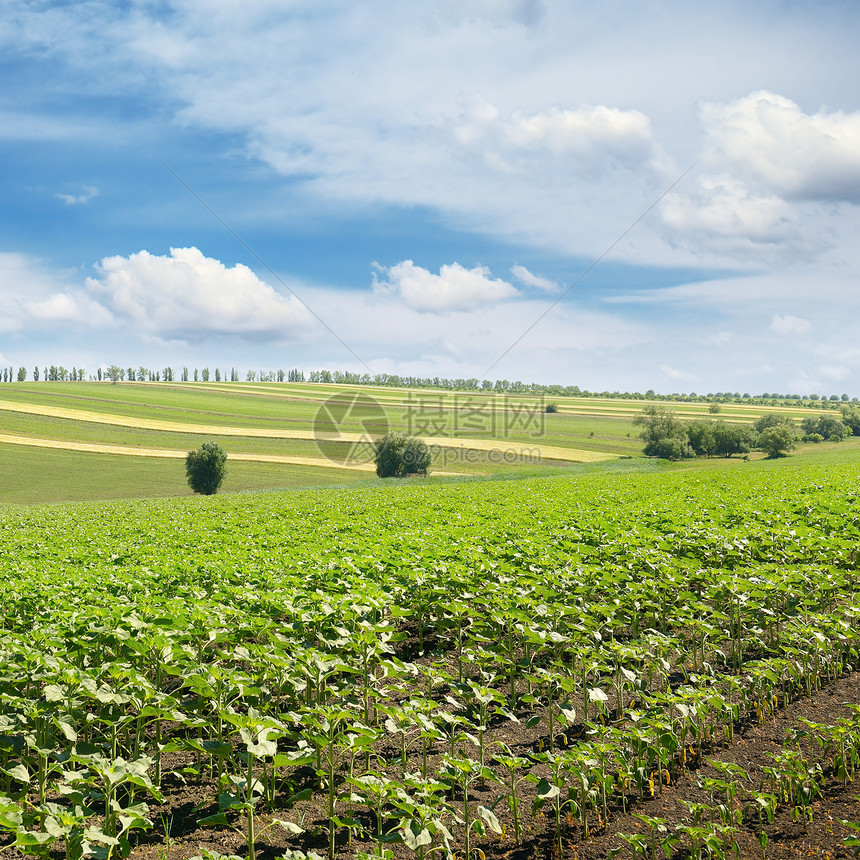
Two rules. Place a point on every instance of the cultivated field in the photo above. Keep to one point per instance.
(651, 663)
(79, 441)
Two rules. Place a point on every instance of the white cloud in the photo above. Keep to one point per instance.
(589, 139)
(34, 298)
(69, 307)
(769, 142)
(725, 216)
(528, 279)
(789, 325)
(89, 192)
(187, 296)
(453, 289)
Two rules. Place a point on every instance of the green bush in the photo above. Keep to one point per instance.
(777, 440)
(669, 448)
(398, 456)
(205, 468)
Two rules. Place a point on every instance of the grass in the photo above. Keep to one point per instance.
(29, 475)
(39, 476)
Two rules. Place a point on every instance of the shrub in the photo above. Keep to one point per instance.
(551, 408)
(669, 448)
(205, 468)
(812, 437)
(398, 456)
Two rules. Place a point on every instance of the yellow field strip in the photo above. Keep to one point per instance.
(127, 451)
(514, 450)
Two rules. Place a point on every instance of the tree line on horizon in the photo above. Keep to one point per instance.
(115, 373)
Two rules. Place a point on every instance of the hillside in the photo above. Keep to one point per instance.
(66, 442)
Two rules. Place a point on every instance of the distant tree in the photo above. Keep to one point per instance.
(851, 418)
(205, 468)
(22, 374)
(217, 375)
(669, 448)
(185, 374)
(130, 373)
(195, 374)
(828, 426)
(99, 372)
(551, 408)
(205, 374)
(772, 419)
(701, 436)
(777, 440)
(398, 455)
(714, 408)
(36, 373)
(663, 433)
(732, 438)
(114, 373)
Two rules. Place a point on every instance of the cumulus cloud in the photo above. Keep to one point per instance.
(33, 298)
(89, 192)
(789, 325)
(769, 142)
(188, 296)
(455, 288)
(727, 217)
(72, 306)
(528, 279)
(590, 138)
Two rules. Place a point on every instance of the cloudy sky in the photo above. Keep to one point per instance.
(618, 195)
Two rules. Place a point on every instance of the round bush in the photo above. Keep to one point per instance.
(205, 468)
(398, 456)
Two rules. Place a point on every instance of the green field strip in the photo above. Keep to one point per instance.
(172, 453)
(24, 424)
(32, 476)
(488, 445)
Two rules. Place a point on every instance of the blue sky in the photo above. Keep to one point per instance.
(426, 179)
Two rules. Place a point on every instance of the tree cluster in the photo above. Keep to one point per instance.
(666, 436)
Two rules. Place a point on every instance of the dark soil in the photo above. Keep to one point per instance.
(176, 834)
(788, 838)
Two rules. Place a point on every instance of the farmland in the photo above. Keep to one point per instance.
(560, 666)
(88, 441)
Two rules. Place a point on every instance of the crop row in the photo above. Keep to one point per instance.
(379, 695)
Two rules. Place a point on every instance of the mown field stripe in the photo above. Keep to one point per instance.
(505, 449)
(127, 451)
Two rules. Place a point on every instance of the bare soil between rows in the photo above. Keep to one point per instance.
(821, 837)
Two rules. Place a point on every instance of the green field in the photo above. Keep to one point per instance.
(277, 420)
(520, 668)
